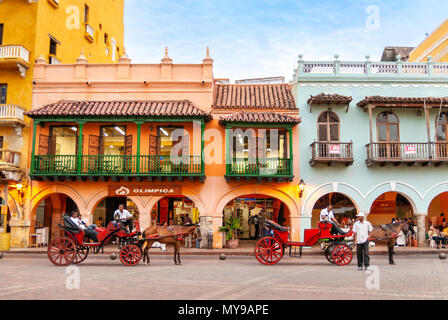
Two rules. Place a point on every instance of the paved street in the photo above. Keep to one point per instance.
(414, 277)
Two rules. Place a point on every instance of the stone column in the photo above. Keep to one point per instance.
(421, 228)
(20, 233)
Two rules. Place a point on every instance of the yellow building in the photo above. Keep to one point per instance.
(434, 45)
(54, 31)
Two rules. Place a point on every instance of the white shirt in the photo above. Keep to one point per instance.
(78, 223)
(362, 230)
(125, 215)
(326, 216)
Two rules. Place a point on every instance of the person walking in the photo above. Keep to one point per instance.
(362, 229)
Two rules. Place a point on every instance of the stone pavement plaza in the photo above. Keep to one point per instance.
(32, 276)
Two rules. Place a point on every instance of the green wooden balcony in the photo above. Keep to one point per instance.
(116, 165)
(260, 168)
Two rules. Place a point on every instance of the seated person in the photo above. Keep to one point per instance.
(327, 215)
(89, 231)
(125, 217)
(437, 236)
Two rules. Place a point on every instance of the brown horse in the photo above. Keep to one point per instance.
(167, 236)
(388, 233)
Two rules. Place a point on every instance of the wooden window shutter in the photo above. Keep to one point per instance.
(253, 148)
(153, 145)
(43, 145)
(94, 145)
(186, 145)
(128, 145)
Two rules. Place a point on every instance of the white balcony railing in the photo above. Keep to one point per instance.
(90, 31)
(14, 52)
(10, 157)
(8, 111)
(343, 68)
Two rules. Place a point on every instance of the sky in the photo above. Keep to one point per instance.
(263, 38)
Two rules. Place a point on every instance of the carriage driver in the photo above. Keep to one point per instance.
(125, 217)
(328, 215)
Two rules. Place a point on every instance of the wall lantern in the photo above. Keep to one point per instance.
(301, 188)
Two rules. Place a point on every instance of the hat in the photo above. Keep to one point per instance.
(361, 215)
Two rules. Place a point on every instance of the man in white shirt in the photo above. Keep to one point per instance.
(328, 215)
(362, 229)
(125, 217)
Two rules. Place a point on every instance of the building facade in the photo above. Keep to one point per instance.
(435, 45)
(55, 32)
(373, 139)
(103, 135)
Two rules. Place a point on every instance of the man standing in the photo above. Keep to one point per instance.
(125, 217)
(328, 215)
(362, 229)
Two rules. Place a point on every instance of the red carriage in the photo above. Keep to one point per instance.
(72, 248)
(269, 250)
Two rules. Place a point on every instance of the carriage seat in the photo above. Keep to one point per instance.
(70, 225)
(276, 226)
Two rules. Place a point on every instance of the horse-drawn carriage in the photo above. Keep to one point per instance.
(72, 248)
(270, 249)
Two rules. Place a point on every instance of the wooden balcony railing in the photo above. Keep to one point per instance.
(331, 152)
(270, 167)
(410, 153)
(116, 165)
(10, 157)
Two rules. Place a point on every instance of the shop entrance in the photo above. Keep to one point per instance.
(104, 212)
(438, 211)
(388, 207)
(343, 208)
(174, 210)
(252, 211)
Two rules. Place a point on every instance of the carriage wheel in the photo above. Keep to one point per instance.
(342, 255)
(268, 251)
(131, 254)
(81, 255)
(329, 254)
(62, 251)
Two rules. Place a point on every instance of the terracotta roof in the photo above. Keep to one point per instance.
(118, 108)
(253, 96)
(390, 53)
(329, 99)
(259, 117)
(402, 101)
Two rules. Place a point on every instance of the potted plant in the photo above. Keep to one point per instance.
(231, 226)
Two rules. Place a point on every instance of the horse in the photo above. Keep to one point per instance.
(167, 236)
(388, 233)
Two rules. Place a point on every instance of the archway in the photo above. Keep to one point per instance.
(344, 208)
(390, 206)
(48, 213)
(252, 210)
(174, 210)
(438, 210)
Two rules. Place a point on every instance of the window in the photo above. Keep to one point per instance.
(1, 142)
(86, 14)
(1, 34)
(328, 127)
(106, 39)
(113, 140)
(63, 141)
(166, 142)
(3, 90)
(388, 127)
(442, 126)
(53, 46)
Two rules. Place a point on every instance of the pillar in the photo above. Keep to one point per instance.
(421, 228)
(295, 228)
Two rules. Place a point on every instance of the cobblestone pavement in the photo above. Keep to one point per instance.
(414, 277)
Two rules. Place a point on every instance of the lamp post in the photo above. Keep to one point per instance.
(301, 188)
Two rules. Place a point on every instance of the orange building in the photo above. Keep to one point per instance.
(105, 134)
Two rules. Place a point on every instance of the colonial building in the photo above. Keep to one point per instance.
(53, 32)
(373, 138)
(105, 135)
(435, 45)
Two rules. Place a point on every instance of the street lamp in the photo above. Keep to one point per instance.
(301, 188)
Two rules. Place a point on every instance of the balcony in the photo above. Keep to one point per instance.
(269, 168)
(11, 114)
(61, 167)
(331, 153)
(15, 56)
(10, 165)
(384, 153)
(89, 33)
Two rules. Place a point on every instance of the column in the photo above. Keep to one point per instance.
(421, 228)
(80, 127)
(33, 152)
(139, 128)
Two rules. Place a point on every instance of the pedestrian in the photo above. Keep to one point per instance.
(362, 229)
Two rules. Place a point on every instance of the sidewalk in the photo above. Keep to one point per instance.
(246, 248)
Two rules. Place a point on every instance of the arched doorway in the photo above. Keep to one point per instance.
(174, 210)
(105, 209)
(253, 210)
(437, 207)
(388, 206)
(49, 213)
(343, 208)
